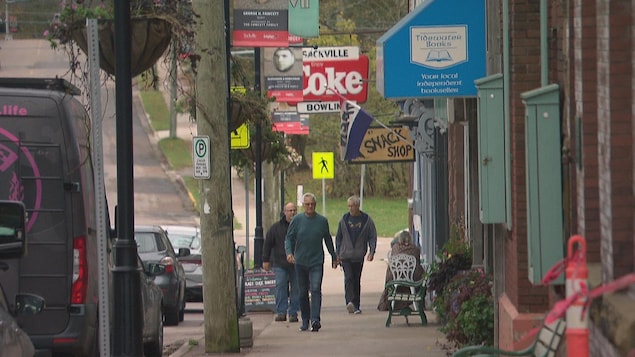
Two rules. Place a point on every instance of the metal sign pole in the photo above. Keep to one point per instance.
(100, 190)
(324, 197)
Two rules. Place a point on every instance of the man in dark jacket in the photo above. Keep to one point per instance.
(356, 235)
(273, 252)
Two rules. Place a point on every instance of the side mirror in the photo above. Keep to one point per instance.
(184, 252)
(155, 269)
(28, 304)
(12, 229)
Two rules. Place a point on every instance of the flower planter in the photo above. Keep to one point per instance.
(150, 37)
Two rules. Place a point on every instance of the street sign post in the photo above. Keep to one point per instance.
(200, 150)
(323, 168)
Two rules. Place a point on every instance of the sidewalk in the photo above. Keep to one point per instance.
(342, 334)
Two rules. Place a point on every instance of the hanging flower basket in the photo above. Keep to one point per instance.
(150, 37)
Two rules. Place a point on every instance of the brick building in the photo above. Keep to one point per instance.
(567, 121)
(545, 151)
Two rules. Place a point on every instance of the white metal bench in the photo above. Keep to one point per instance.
(403, 288)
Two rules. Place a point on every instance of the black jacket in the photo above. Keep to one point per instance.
(273, 249)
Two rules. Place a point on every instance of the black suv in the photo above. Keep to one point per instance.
(154, 246)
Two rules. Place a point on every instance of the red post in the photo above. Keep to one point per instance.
(577, 332)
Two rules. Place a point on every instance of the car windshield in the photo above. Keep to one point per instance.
(180, 240)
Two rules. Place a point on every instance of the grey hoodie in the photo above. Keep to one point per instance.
(366, 240)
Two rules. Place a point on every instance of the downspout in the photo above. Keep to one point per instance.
(506, 84)
(544, 58)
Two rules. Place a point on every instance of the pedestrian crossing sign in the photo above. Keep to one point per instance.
(240, 137)
(323, 165)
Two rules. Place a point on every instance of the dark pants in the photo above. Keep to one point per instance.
(352, 281)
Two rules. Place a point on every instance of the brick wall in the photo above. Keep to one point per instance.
(524, 75)
(615, 136)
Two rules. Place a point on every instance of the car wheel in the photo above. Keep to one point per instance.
(171, 316)
(154, 348)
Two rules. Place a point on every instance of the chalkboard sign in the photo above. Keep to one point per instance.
(260, 289)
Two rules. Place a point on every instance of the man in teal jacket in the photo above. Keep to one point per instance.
(303, 245)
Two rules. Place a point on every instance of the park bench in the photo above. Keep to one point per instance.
(403, 288)
(546, 344)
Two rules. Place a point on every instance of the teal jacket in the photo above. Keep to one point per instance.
(304, 239)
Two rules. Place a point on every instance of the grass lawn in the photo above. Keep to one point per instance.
(157, 109)
(390, 215)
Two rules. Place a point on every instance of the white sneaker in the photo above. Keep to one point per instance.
(357, 312)
(350, 307)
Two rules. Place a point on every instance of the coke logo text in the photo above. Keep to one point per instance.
(347, 77)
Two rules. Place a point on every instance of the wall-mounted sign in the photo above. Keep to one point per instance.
(291, 123)
(261, 23)
(340, 68)
(283, 73)
(434, 51)
(385, 145)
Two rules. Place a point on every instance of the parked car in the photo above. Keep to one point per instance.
(189, 237)
(154, 246)
(152, 303)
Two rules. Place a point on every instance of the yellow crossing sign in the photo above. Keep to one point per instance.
(323, 165)
(240, 137)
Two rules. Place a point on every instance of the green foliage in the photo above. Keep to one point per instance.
(477, 320)
(455, 256)
(468, 308)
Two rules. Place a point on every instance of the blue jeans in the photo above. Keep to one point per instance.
(286, 291)
(310, 279)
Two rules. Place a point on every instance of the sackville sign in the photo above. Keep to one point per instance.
(384, 145)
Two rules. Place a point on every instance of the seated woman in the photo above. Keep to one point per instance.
(401, 244)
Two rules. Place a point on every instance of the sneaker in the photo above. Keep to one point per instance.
(305, 325)
(357, 311)
(293, 318)
(281, 317)
(315, 326)
(350, 307)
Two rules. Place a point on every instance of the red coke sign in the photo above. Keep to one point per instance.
(339, 68)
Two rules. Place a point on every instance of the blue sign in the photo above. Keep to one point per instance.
(437, 50)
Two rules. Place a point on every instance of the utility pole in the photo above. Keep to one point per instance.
(212, 98)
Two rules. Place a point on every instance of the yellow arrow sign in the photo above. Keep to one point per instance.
(323, 165)
(240, 137)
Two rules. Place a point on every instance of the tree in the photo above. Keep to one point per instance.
(219, 288)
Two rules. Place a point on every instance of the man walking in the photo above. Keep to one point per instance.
(273, 252)
(356, 235)
(304, 248)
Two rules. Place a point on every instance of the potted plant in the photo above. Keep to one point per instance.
(153, 23)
